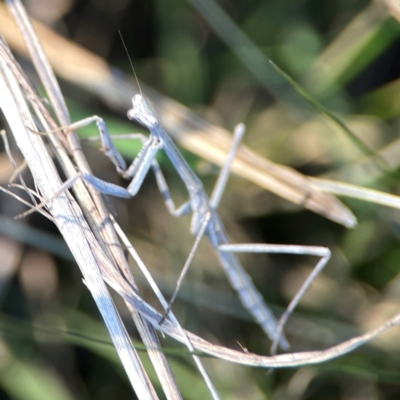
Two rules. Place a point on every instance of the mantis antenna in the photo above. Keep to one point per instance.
(130, 61)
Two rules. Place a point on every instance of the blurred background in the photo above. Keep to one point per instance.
(213, 58)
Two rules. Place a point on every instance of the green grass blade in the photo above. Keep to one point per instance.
(380, 162)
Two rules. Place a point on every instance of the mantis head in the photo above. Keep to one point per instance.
(141, 112)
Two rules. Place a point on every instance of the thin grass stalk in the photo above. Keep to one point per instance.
(69, 220)
(97, 214)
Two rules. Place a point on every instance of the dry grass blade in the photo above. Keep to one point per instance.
(68, 219)
(358, 192)
(97, 219)
(95, 211)
(192, 132)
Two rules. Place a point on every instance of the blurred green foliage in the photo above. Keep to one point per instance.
(214, 58)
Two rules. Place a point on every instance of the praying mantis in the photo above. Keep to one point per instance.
(205, 219)
(204, 224)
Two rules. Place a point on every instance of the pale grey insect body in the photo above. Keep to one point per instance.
(199, 204)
